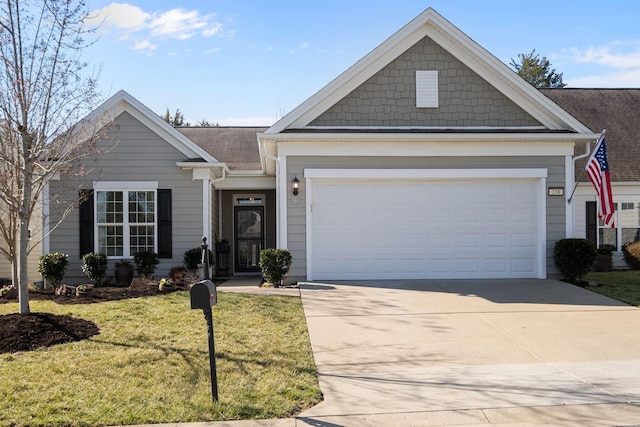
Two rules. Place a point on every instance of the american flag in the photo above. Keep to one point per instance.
(598, 170)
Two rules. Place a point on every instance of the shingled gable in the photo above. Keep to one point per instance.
(123, 102)
(431, 25)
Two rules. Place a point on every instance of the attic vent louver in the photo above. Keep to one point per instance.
(427, 89)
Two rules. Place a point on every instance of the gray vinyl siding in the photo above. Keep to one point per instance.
(34, 244)
(296, 209)
(139, 155)
(32, 265)
(389, 97)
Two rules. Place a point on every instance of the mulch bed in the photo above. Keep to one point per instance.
(26, 332)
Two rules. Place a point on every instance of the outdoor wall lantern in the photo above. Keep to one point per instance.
(295, 184)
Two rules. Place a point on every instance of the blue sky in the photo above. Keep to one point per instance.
(249, 62)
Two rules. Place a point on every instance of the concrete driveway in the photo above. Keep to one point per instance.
(471, 352)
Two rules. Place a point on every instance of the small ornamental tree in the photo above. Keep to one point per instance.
(45, 91)
(574, 258)
(275, 265)
(95, 266)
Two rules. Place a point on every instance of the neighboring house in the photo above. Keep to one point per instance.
(428, 158)
(615, 110)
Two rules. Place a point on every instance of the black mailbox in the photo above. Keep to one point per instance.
(204, 295)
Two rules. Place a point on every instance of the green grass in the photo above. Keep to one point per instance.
(620, 285)
(150, 364)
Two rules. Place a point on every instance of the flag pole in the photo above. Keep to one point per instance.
(583, 169)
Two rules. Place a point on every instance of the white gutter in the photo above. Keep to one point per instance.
(376, 136)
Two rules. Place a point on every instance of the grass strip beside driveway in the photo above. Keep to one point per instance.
(150, 364)
(620, 285)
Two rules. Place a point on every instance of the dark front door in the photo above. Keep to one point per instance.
(249, 237)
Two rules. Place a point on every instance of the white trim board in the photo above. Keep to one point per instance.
(424, 173)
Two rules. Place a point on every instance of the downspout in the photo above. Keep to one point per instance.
(571, 163)
(587, 151)
(279, 205)
(213, 181)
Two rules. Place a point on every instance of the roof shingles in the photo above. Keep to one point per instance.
(235, 146)
(617, 111)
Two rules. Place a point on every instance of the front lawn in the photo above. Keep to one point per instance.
(150, 364)
(620, 285)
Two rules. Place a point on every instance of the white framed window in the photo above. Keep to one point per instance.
(125, 219)
(627, 221)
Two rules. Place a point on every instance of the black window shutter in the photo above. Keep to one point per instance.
(165, 241)
(592, 222)
(86, 222)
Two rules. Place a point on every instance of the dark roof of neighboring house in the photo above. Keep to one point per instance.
(617, 111)
(235, 146)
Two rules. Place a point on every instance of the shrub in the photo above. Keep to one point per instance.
(631, 252)
(275, 265)
(146, 262)
(603, 262)
(52, 267)
(193, 257)
(574, 258)
(95, 266)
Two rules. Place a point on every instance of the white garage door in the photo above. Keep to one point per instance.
(408, 229)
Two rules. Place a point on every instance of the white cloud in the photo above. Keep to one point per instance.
(121, 16)
(619, 64)
(303, 46)
(144, 45)
(133, 23)
(624, 79)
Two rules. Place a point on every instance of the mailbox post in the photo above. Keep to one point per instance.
(205, 258)
(204, 295)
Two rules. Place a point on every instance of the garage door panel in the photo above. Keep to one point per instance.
(495, 265)
(411, 240)
(467, 265)
(523, 265)
(519, 240)
(495, 240)
(367, 229)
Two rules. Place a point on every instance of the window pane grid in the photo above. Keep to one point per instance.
(627, 220)
(141, 206)
(124, 229)
(110, 240)
(141, 238)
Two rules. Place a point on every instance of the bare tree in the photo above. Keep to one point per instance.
(44, 92)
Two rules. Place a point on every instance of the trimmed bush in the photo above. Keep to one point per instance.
(631, 252)
(275, 265)
(574, 258)
(52, 267)
(95, 266)
(146, 262)
(604, 261)
(193, 257)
